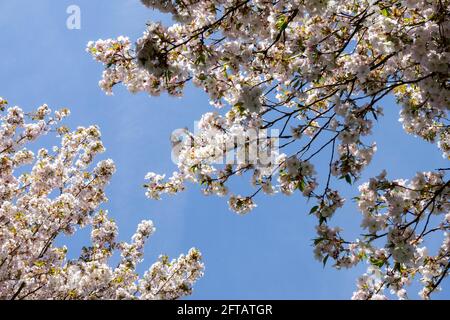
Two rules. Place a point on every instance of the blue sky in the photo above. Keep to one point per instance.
(264, 255)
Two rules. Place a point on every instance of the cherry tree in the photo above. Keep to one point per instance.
(317, 71)
(48, 196)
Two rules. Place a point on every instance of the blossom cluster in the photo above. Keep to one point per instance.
(399, 215)
(219, 148)
(46, 196)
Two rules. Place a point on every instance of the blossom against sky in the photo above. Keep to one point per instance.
(266, 254)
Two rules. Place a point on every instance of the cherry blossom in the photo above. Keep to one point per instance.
(48, 195)
(316, 73)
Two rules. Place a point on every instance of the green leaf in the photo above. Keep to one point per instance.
(377, 262)
(201, 59)
(301, 185)
(322, 220)
(324, 261)
(240, 108)
(282, 23)
(348, 178)
(385, 12)
(318, 240)
(314, 209)
(39, 264)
